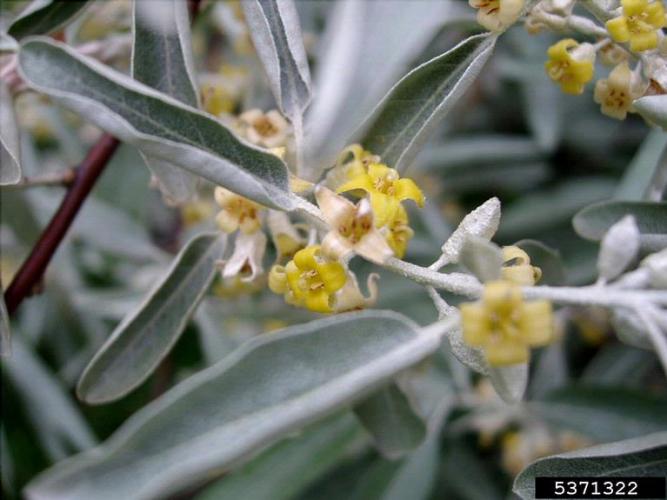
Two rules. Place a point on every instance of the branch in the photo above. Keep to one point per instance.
(31, 272)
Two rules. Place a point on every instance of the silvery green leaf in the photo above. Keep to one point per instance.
(550, 370)
(10, 162)
(638, 457)
(510, 382)
(59, 425)
(657, 267)
(603, 413)
(289, 467)
(213, 335)
(146, 335)
(345, 92)
(270, 386)
(542, 106)
(547, 259)
(7, 43)
(415, 478)
(391, 420)
(157, 124)
(5, 335)
(644, 169)
(653, 108)
(477, 483)
(42, 17)
(619, 365)
(482, 222)
(162, 59)
(547, 208)
(482, 258)
(276, 33)
(619, 248)
(594, 221)
(629, 328)
(407, 116)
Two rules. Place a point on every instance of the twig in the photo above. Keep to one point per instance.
(32, 270)
(64, 178)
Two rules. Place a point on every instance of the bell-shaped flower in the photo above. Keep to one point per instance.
(237, 212)
(352, 228)
(285, 236)
(385, 188)
(616, 93)
(504, 326)
(517, 269)
(246, 259)
(398, 232)
(571, 65)
(497, 15)
(269, 130)
(639, 24)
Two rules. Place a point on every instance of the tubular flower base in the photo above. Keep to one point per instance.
(497, 15)
(399, 232)
(237, 212)
(517, 269)
(504, 326)
(571, 65)
(639, 24)
(385, 188)
(309, 280)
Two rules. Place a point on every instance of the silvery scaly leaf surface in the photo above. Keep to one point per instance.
(289, 467)
(10, 161)
(653, 108)
(619, 248)
(154, 122)
(276, 33)
(642, 456)
(41, 17)
(162, 59)
(482, 258)
(271, 385)
(409, 113)
(482, 222)
(391, 420)
(594, 221)
(147, 334)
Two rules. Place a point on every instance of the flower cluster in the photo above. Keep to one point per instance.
(638, 24)
(504, 326)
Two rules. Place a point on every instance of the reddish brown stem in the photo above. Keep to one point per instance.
(31, 272)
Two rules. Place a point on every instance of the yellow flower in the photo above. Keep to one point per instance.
(352, 228)
(497, 15)
(265, 129)
(504, 326)
(237, 212)
(639, 24)
(571, 65)
(309, 280)
(385, 188)
(399, 232)
(615, 95)
(517, 269)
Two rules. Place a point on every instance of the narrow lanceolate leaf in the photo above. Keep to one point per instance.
(276, 33)
(481, 222)
(10, 166)
(59, 425)
(147, 335)
(639, 457)
(42, 17)
(594, 221)
(157, 124)
(162, 59)
(645, 177)
(653, 108)
(482, 258)
(392, 422)
(619, 248)
(269, 387)
(510, 382)
(409, 113)
(603, 413)
(289, 467)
